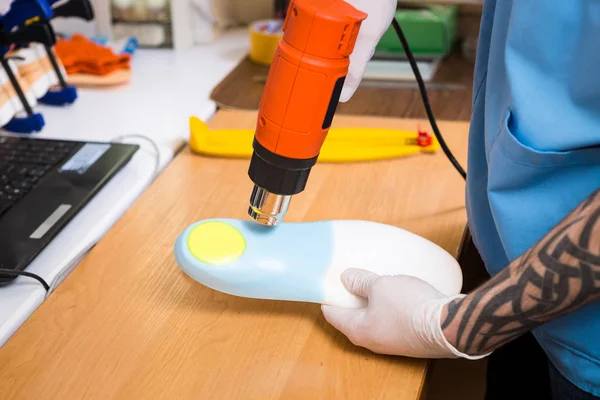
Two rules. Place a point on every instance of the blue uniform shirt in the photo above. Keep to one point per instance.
(534, 150)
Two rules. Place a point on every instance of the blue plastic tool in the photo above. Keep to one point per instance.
(18, 29)
(66, 94)
(26, 12)
(27, 17)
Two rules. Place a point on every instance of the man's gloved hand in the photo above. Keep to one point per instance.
(402, 316)
(380, 15)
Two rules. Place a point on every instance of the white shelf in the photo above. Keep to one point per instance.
(181, 23)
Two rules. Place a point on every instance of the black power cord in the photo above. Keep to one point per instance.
(421, 84)
(11, 272)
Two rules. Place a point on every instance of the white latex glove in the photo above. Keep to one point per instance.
(380, 15)
(402, 316)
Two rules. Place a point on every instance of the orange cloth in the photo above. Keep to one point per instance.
(80, 55)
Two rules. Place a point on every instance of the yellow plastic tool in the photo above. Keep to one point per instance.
(342, 144)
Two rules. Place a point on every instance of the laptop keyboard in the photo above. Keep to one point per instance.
(24, 162)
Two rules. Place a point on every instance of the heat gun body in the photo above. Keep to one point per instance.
(299, 102)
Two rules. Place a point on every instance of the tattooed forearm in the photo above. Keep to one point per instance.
(559, 274)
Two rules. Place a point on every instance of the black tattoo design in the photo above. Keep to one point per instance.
(558, 275)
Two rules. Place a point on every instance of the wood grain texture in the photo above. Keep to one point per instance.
(242, 90)
(128, 324)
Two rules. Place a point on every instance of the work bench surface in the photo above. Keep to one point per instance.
(129, 324)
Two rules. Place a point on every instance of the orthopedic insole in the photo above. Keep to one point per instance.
(304, 261)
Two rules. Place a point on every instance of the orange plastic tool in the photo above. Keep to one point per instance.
(306, 77)
(301, 95)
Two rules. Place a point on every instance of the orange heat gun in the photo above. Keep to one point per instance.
(300, 99)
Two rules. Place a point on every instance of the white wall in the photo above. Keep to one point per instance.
(4, 5)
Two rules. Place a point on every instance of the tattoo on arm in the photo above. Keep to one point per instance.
(560, 274)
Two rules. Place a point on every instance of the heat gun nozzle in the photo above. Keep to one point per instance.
(267, 208)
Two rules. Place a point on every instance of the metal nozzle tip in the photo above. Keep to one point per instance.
(261, 218)
(267, 208)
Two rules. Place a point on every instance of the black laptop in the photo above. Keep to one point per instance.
(43, 185)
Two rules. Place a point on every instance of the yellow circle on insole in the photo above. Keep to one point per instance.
(216, 243)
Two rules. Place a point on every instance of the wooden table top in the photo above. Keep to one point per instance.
(128, 324)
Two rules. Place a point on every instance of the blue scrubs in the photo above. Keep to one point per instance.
(534, 151)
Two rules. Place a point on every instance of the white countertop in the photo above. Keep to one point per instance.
(166, 89)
